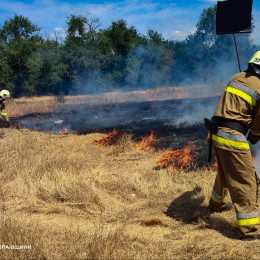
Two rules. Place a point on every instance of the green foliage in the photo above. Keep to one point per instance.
(19, 40)
(76, 26)
(46, 71)
(149, 65)
(208, 52)
(120, 39)
(88, 59)
(18, 28)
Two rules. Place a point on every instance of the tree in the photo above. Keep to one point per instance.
(19, 39)
(47, 70)
(183, 67)
(117, 42)
(210, 53)
(121, 38)
(149, 64)
(155, 37)
(80, 53)
(6, 73)
(82, 30)
(199, 44)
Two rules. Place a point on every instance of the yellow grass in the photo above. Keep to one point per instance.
(65, 197)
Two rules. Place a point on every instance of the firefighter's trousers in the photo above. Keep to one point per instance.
(236, 175)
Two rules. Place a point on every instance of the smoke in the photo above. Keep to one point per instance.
(197, 111)
(131, 116)
(149, 98)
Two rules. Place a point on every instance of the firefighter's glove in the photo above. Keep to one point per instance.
(251, 139)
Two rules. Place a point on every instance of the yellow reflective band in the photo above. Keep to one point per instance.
(4, 113)
(241, 94)
(218, 200)
(236, 144)
(248, 221)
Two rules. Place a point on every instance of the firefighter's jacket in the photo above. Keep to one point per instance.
(240, 102)
(2, 105)
(3, 111)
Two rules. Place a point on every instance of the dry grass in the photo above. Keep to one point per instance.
(22, 106)
(69, 198)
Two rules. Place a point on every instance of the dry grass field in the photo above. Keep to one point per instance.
(65, 196)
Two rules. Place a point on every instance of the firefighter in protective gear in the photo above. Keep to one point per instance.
(238, 119)
(4, 94)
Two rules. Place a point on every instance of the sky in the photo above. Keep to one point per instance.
(173, 19)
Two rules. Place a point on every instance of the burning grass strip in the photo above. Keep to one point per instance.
(111, 138)
(212, 166)
(64, 131)
(147, 143)
(178, 160)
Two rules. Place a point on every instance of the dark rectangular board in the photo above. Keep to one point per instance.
(234, 16)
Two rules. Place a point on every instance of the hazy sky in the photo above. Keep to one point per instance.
(173, 19)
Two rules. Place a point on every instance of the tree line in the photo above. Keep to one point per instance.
(89, 59)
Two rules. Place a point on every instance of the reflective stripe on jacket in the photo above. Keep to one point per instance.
(247, 219)
(218, 199)
(241, 100)
(231, 140)
(244, 92)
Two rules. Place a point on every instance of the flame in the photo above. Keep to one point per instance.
(149, 96)
(215, 166)
(147, 143)
(181, 96)
(64, 131)
(109, 139)
(211, 167)
(181, 159)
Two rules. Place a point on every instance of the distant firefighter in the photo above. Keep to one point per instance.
(235, 124)
(4, 94)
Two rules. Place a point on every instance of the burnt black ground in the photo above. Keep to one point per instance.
(175, 122)
(162, 116)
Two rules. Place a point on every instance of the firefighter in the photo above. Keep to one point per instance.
(4, 94)
(237, 116)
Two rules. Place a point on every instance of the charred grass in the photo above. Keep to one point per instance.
(69, 198)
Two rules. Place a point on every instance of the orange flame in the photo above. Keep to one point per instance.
(64, 131)
(147, 143)
(215, 166)
(109, 139)
(179, 160)
(211, 167)
(181, 95)
(149, 96)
